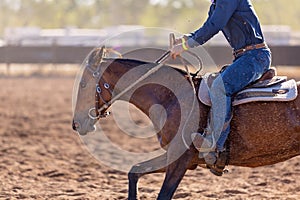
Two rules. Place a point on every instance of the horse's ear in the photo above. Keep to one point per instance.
(100, 55)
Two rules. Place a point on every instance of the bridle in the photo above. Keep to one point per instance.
(99, 111)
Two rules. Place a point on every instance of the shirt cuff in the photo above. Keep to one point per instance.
(191, 42)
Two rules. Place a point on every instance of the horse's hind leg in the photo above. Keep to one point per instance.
(174, 174)
(155, 165)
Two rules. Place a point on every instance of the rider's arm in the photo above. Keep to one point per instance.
(220, 13)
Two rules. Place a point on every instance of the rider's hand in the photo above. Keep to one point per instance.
(178, 47)
(176, 50)
(179, 40)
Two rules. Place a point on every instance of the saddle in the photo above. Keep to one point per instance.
(269, 87)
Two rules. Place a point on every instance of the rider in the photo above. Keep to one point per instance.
(240, 26)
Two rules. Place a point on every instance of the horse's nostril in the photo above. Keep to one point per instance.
(75, 125)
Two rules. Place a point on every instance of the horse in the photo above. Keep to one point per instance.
(262, 133)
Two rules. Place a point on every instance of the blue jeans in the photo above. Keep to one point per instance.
(244, 70)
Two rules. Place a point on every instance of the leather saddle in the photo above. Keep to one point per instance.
(269, 87)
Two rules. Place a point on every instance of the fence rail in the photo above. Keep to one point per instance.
(281, 55)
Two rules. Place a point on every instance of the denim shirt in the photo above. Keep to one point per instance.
(235, 18)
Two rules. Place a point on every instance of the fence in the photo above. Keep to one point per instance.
(282, 55)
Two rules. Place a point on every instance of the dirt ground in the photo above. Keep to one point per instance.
(42, 158)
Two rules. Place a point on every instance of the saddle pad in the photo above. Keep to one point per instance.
(285, 91)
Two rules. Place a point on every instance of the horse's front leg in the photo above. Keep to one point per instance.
(155, 165)
(174, 174)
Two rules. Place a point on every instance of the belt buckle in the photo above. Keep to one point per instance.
(239, 52)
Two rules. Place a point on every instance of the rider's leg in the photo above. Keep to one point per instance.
(220, 113)
(242, 72)
(219, 120)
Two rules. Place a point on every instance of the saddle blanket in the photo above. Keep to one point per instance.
(284, 91)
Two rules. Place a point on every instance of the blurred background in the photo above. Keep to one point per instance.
(42, 46)
(63, 32)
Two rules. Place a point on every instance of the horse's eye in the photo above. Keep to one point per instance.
(82, 84)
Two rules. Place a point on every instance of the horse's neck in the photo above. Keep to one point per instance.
(147, 96)
(157, 90)
(124, 69)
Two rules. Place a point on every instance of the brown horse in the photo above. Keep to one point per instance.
(262, 133)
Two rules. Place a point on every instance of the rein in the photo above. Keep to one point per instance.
(98, 111)
(195, 94)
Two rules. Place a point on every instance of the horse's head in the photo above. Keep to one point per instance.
(92, 94)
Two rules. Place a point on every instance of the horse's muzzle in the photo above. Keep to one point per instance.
(75, 125)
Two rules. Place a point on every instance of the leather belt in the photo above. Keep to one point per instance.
(249, 48)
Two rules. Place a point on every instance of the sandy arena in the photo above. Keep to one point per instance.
(42, 158)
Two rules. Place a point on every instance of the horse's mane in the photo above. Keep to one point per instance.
(134, 62)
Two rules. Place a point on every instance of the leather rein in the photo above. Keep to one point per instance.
(99, 111)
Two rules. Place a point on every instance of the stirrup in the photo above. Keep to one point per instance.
(204, 143)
